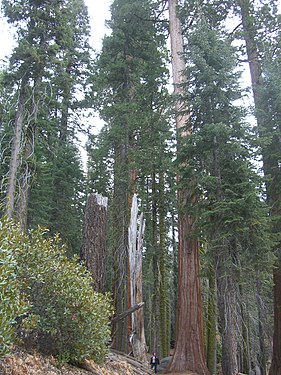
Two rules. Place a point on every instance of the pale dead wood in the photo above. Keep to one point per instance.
(138, 366)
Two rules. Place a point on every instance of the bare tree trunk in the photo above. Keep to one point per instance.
(93, 249)
(156, 342)
(189, 348)
(135, 245)
(15, 153)
(28, 165)
(226, 307)
(245, 328)
(275, 368)
(212, 324)
(261, 356)
(165, 315)
(120, 225)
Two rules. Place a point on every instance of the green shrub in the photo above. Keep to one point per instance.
(11, 304)
(72, 321)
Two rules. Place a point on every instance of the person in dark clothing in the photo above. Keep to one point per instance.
(154, 362)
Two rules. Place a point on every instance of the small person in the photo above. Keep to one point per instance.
(154, 362)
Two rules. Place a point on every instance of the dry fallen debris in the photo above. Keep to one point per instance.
(21, 362)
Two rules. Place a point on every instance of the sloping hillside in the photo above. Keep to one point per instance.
(21, 362)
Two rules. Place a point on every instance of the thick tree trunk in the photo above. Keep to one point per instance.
(93, 249)
(136, 233)
(189, 348)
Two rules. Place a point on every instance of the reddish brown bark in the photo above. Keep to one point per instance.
(189, 348)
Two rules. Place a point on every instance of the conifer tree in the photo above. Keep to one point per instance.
(189, 347)
(261, 33)
(50, 65)
(219, 166)
(129, 89)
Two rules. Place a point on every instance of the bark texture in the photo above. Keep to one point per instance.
(226, 307)
(93, 249)
(189, 348)
(15, 153)
(120, 224)
(275, 368)
(212, 324)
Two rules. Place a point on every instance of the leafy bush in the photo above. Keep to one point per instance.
(73, 320)
(66, 317)
(12, 305)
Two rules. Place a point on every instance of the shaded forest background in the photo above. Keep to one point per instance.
(218, 174)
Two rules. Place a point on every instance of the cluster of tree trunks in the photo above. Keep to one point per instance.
(94, 252)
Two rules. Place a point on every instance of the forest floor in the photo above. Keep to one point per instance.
(21, 362)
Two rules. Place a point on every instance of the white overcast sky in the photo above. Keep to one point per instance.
(98, 12)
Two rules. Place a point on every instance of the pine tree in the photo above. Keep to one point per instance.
(50, 63)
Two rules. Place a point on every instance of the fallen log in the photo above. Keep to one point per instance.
(140, 367)
(127, 312)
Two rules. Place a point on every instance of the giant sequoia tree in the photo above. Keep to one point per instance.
(189, 350)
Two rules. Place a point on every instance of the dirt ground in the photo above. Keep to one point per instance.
(21, 362)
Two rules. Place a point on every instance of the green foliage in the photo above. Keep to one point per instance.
(51, 61)
(65, 316)
(71, 320)
(12, 304)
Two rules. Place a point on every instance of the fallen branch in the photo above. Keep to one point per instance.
(127, 312)
(138, 367)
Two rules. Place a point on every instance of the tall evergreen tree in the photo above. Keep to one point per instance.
(261, 26)
(219, 166)
(189, 349)
(130, 69)
(49, 65)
